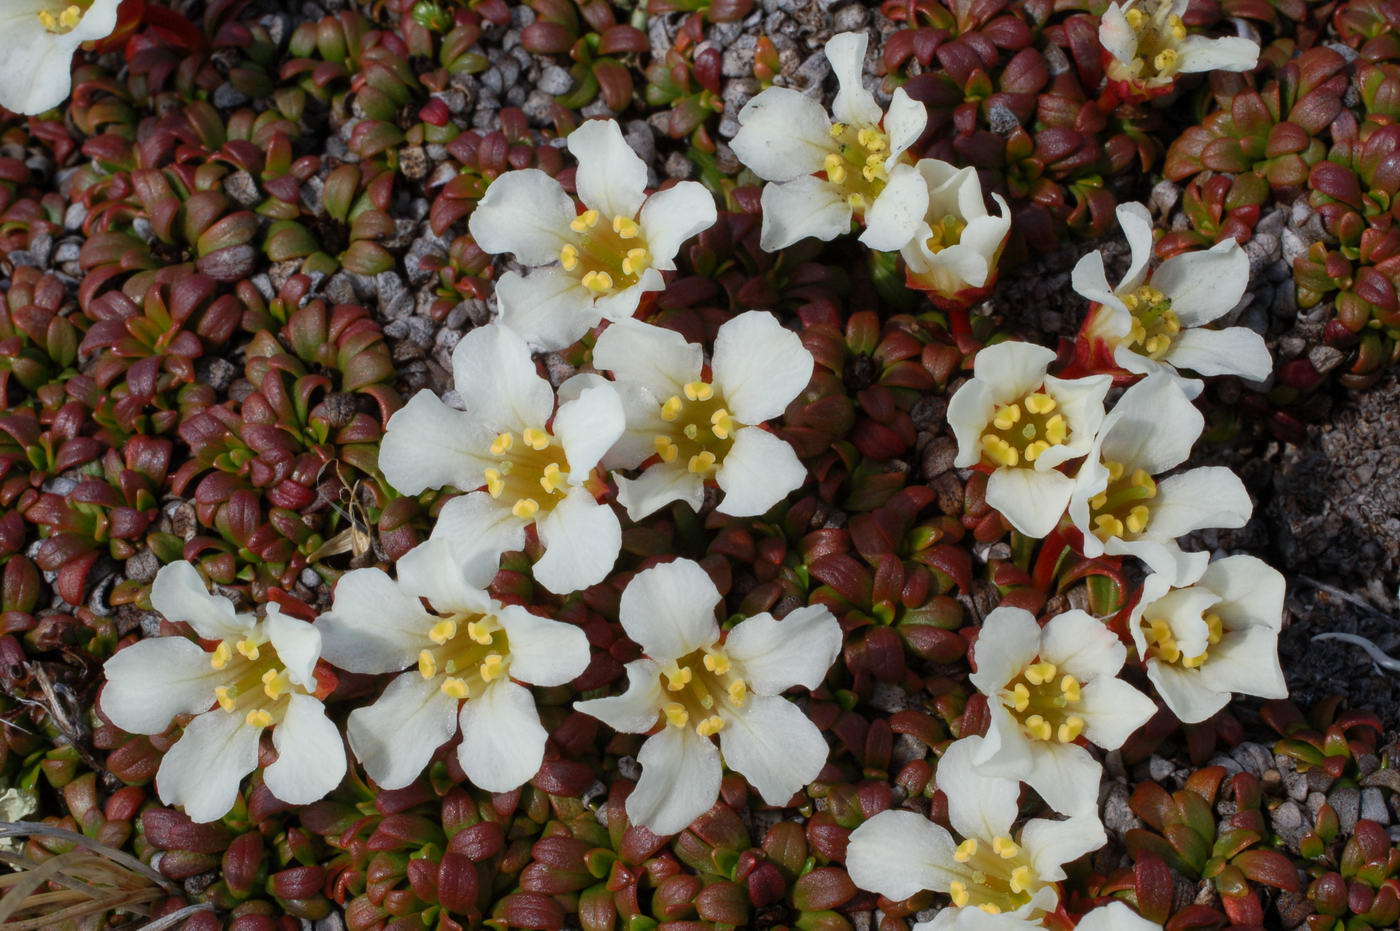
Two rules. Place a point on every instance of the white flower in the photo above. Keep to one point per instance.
(1150, 46)
(530, 470)
(696, 683)
(866, 172)
(1157, 322)
(955, 251)
(36, 57)
(1022, 424)
(1046, 688)
(593, 265)
(898, 854)
(1122, 510)
(260, 675)
(464, 653)
(1215, 637)
(1115, 916)
(700, 430)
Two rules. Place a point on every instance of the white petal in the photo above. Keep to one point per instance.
(476, 530)
(904, 123)
(1080, 400)
(896, 214)
(657, 487)
(760, 366)
(548, 308)
(433, 571)
(776, 655)
(543, 651)
(1234, 350)
(1246, 661)
(759, 471)
(525, 213)
(1005, 750)
(1115, 916)
(774, 746)
(179, 593)
(493, 372)
(635, 710)
(969, 412)
(1090, 280)
(898, 854)
(428, 445)
(36, 65)
(1185, 693)
(1209, 496)
(621, 305)
(587, 427)
(310, 754)
(298, 645)
(979, 805)
(1066, 776)
(1204, 286)
(953, 191)
(1051, 844)
(1116, 36)
(669, 610)
(581, 541)
(152, 680)
(1032, 501)
(1229, 53)
(397, 735)
(783, 135)
(1251, 591)
(1161, 556)
(502, 738)
(1112, 710)
(1137, 228)
(806, 206)
(1008, 641)
(611, 178)
(373, 624)
(1082, 646)
(638, 441)
(680, 780)
(657, 359)
(670, 217)
(202, 771)
(853, 103)
(1153, 426)
(1012, 369)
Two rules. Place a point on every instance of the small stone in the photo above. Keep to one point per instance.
(144, 565)
(679, 167)
(1346, 802)
(1118, 815)
(555, 80)
(1160, 769)
(241, 187)
(850, 18)
(629, 768)
(216, 372)
(414, 163)
(1002, 121)
(1373, 807)
(1165, 196)
(1325, 358)
(737, 60)
(228, 97)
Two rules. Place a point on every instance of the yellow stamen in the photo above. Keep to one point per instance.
(701, 462)
(249, 648)
(1071, 729)
(1040, 403)
(493, 667)
(598, 281)
(678, 677)
(625, 228)
(699, 391)
(635, 261)
(568, 257)
(502, 443)
(1007, 417)
(456, 688)
(258, 718)
(710, 726)
(722, 424)
(676, 715)
(480, 631)
(835, 168)
(442, 631)
(494, 483)
(667, 449)
(1021, 879)
(221, 655)
(275, 683)
(525, 508)
(1071, 688)
(966, 850)
(554, 479)
(535, 438)
(1056, 429)
(225, 695)
(717, 663)
(427, 664)
(738, 691)
(584, 221)
(671, 409)
(1005, 847)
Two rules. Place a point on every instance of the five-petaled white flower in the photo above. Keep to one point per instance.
(1022, 424)
(1046, 688)
(529, 469)
(865, 168)
(954, 253)
(464, 653)
(36, 57)
(702, 429)
(593, 265)
(1157, 322)
(1115, 916)
(898, 854)
(696, 682)
(1148, 46)
(1122, 510)
(260, 675)
(1215, 637)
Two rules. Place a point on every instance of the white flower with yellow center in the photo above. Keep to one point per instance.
(825, 173)
(1157, 322)
(694, 429)
(954, 253)
(260, 675)
(464, 659)
(1022, 425)
(898, 854)
(1213, 638)
(36, 56)
(1120, 506)
(695, 683)
(1149, 46)
(591, 265)
(1047, 688)
(1115, 916)
(529, 462)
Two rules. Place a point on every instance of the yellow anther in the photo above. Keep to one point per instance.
(1098, 501)
(1007, 417)
(990, 908)
(274, 683)
(716, 662)
(699, 391)
(999, 451)
(1216, 627)
(493, 667)
(626, 227)
(258, 718)
(1040, 403)
(676, 715)
(1138, 518)
(1005, 847)
(701, 462)
(568, 257)
(225, 695)
(678, 677)
(1022, 879)
(494, 483)
(738, 691)
(598, 281)
(502, 443)
(427, 664)
(584, 221)
(710, 726)
(535, 438)
(456, 688)
(48, 21)
(671, 408)
(966, 850)
(667, 449)
(1106, 525)
(958, 892)
(636, 261)
(1033, 450)
(1144, 481)
(1071, 688)
(874, 158)
(722, 424)
(249, 648)
(1135, 17)
(867, 137)
(1115, 470)
(1193, 662)
(1039, 728)
(1165, 60)
(221, 655)
(1070, 730)
(838, 130)
(873, 172)
(1020, 697)
(1056, 429)
(554, 480)
(835, 168)
(442, 631)
(70, 17)
(480, 631)
(855, 202)
(525, 508)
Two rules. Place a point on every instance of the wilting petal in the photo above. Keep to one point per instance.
(680, 780)
(1137, 228)
(1184, 692)
(310, 754)
(774, 746)
(1209, 496)
(1066, 776)
(1012, 369)
(611, 178)
(1116, 36)
(373, 625)
(783, 135)
(179, 593)
(759, 471)
(202, 771)
(904, 123)
(776, 655)
(428, 445)
(581, 541)
(1153, 426)
(670, 217)
(548, 309)
(542, 651)
(502, 738)
(635, 710)
(760, 366)
(669, 610)
(1246, 661)
(1229, 53)
(1251, 592)
(397, 735)
(151, 681)
(525, 213)
(801, 208)
(898, 854)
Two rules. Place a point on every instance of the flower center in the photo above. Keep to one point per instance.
(471, 652)
(858, 168)
(63, 19)
(1043, 701)
(1155, 324)
(701, 429)
(1121, 509)
(1162, 642)
(605, 257)
(532, 474)
(999, 876)
(1020, 432)
(1159, 37)
(698, 687)
(255, 681)
(946, 232)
